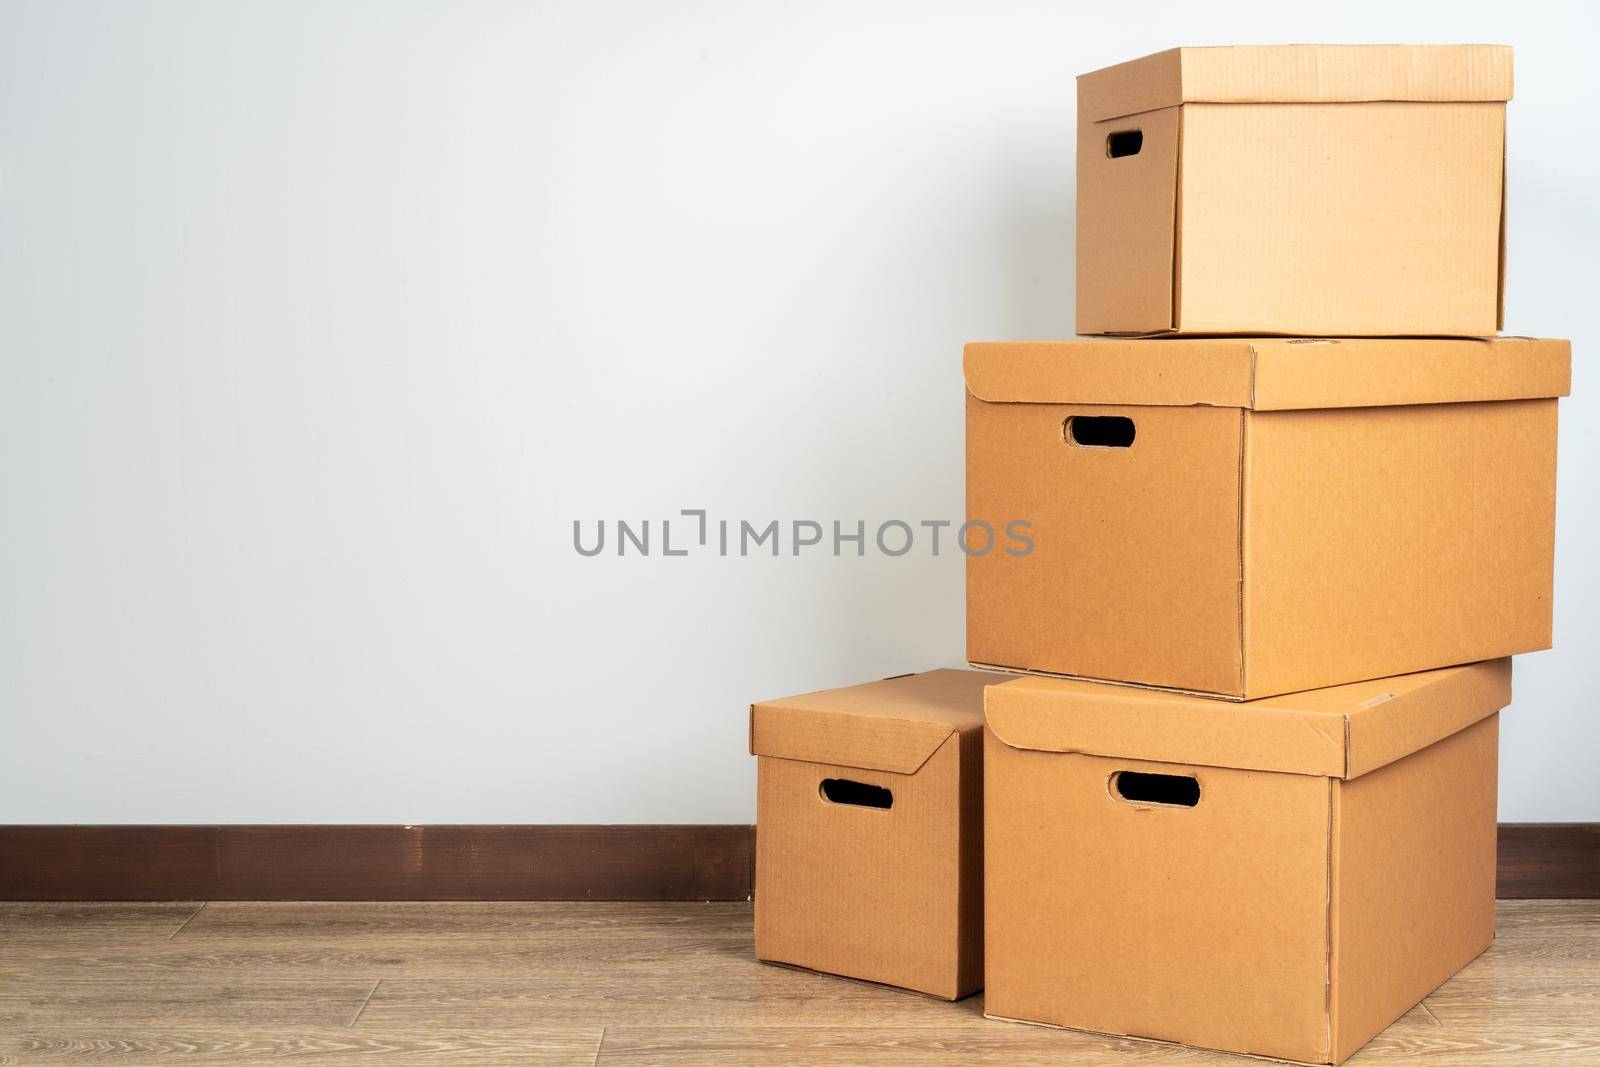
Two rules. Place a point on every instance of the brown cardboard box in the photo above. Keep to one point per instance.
(1289, 514)
(1299, 189)
(889, 894)
(1283, 878)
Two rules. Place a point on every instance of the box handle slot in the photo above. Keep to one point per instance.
(860, 794)
(1124, 143)
(1098, 431)
(1167, 790)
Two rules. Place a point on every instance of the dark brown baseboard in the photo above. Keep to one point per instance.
(375, 862)
(1549, 859)
(515, 862)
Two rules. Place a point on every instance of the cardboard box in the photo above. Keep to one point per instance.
(1286, 514)
(1301, 189)
(869, 831)
(1283, 878)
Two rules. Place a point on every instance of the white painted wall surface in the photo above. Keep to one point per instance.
(321, 322)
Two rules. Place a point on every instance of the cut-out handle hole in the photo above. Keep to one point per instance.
(1124, 143)
(860, 794)
(1098, 431)
(1168, 790)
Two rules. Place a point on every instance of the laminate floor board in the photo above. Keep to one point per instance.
(423, 919)
(25, 1004)
(317, 1047)
(94, 921)
(521, 959)
(580, 984)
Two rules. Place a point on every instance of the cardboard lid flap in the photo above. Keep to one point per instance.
(1415, 710)
(1302, 373)
(1061, 715)
(1299, 73)
(1268, 373)
(1339, 732)
(1128, 372)
(891, 725)
(869, 742)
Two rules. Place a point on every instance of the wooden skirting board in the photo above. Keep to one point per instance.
(515, 862)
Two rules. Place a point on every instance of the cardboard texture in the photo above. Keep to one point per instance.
(891, 895)
(1336, 865)
(1289, 514)
(1303, 189)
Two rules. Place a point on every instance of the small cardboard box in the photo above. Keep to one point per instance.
(1302, 189)
(869, 831)
(1283, 878)
(1241, 518)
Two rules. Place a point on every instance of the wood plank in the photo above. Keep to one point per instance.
(1547, 916)
(375, 862)
(413, 919)
(1414, 1041)
(1549, 860)
(1484, 1002)
(268, 1004)
(319, 1047)
(1011, 1044)
(741, 993)
(1512, 1045)
(96, 921)
(522, 957)
(1553, 956)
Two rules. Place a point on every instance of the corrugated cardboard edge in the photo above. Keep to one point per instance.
(1330, 914)
(1155, 1041)
(865, 981)
(1232, 698)
(1241, 524)
(1175, 316)
(1500, 286)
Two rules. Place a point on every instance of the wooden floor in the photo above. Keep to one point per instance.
(626, 984)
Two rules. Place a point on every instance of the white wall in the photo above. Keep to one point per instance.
(320, 323)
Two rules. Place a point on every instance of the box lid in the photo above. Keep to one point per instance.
(1268, 373)
(1340, 732)
(891, 725)
(1297, 73)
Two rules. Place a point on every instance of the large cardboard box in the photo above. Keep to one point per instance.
(869, 831)
(1283, 878)
(1242, 518)
(1301, 189)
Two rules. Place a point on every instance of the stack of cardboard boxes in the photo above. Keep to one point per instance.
(1243, 796)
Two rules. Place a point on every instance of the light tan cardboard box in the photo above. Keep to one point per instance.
(869, 831)
(1284, 877)
(1285, 514)
(1298, 189)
